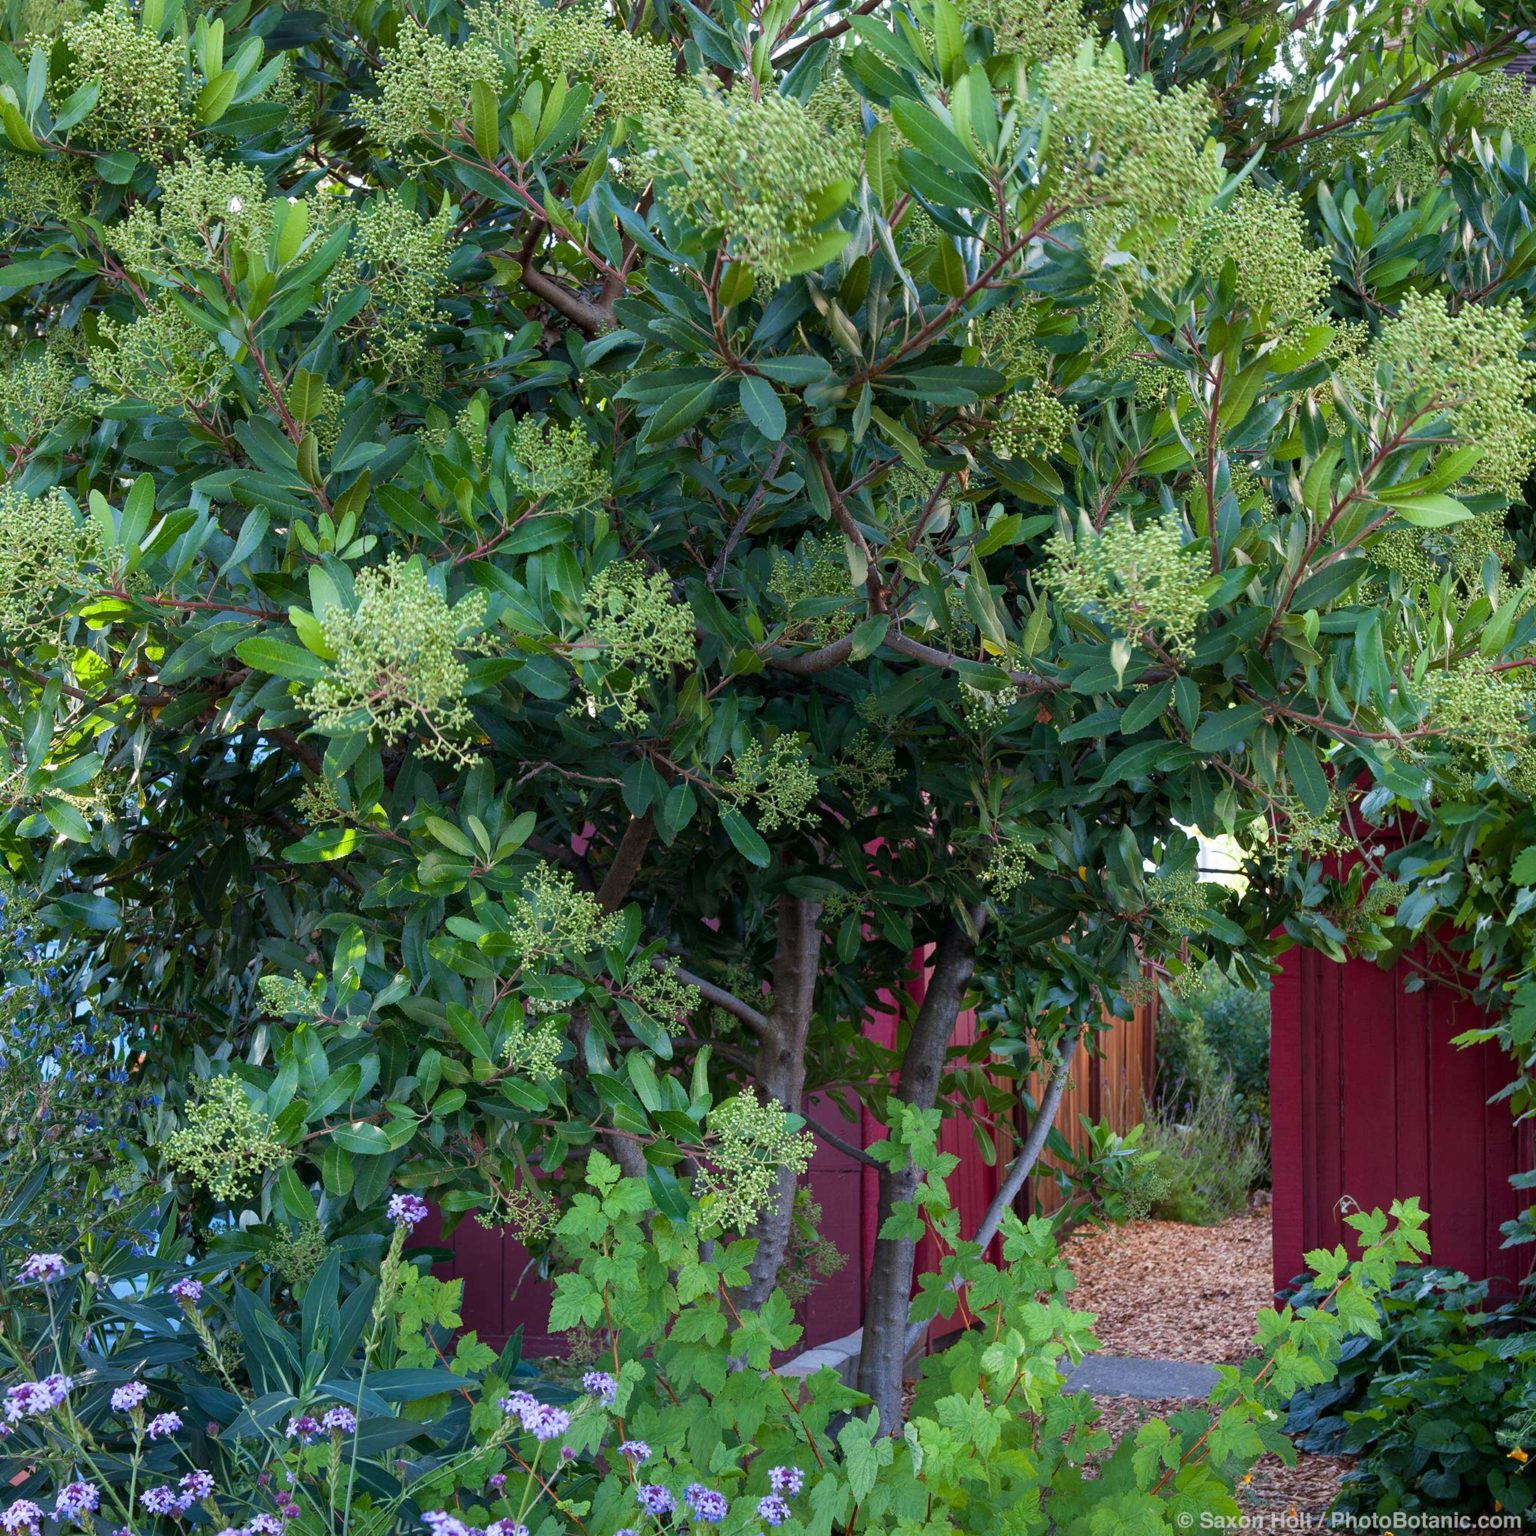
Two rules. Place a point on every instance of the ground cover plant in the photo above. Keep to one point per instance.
(546, 552)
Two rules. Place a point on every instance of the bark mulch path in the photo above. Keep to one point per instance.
(1166, 1291)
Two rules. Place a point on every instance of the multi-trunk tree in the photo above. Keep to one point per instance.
(546, 550)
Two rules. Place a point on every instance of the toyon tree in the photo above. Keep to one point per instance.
(546, 552)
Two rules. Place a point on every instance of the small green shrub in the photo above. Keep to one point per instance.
(1211, 1155)
(1222, 1033)
(1437, 1402)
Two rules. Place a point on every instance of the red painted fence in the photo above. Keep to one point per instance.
(1370, 1101)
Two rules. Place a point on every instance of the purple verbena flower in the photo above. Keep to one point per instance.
(517, 1405)
(23, 1518)
(601, 1385)
(655, 1500)
(636, 1450)
(25, 1400)
(129, 1396)
(266, 1525)
(56, 1388)
(235, 1530)
(546, 1423)
(441, 1523)
(197, 1485)
(709, 1506)
(76, 1501)
(188, 1291)
(304, 1429)
(496, 1481)
(506, 1528)
(786, 1480)
(339, 1420)
(161, 1501)
(772, 1508)
(164, 1424)
(43, 1267)
(407, 1211)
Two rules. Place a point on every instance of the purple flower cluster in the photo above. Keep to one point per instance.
(407, 1211)
(76, 1501)
(538, 1419)
(23, 1518)
(772, 1509)
(188, 1292)
(43, 1267)
(165, 1500)
(602, 1386)
(440, 1523)
(32, 1399)
(786, 1480)
(339, 1420)
(636, 1450)
(128, 1396)
(164, 1424)
(266, 1525)
(655, 1500)
(304, 1429)
(708, 1505)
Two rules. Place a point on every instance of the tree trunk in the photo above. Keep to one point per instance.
(888, 1297)
(780, 1074)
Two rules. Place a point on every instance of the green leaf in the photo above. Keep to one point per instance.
(1306, 773)
(817, 253)
(117, 166)
(1227, 727)
(361, 1138)
(280, 659)
(486, 106)
(745, 838)
(762, 406)
(680, 412)
(1147, 706)
(868, 635)
(1433, 511)
(1523, 870)
(214, 98)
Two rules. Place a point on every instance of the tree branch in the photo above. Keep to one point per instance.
(728, 1002)
(626, 863)
(582, 313)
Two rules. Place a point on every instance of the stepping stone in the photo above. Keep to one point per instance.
(1130, 1376)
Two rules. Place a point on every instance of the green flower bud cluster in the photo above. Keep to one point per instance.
(1484, 715)
(837, 106)
(1034, 424)
(816, 573)
(810, 1257)
(204, 204)
(1423, 555)
(1506, 102)
(297, 1255)
(1032, 29)
(1010, 863)
(866, 766)
(557, 464)
(521, 1210)
(1005, 338)
(395, 663)
(779, 782)
(1177, 900)
(987, 709)
(37, 393)
(763, 171)
(291, 997)
(1467, 366)
(318, 804)
(535, 1052)
(39, 21)
(227, 1145)
(424, 85)
(639, 635)
(403, 259)
(1139, 581)
(1140, 151)
(1281, 272)
(750, 1143)
(552, 922)
(163, 357)
(664, 997)
(45, 549)
(37, 191)
(1308, 834)
(144, 84)
(631, 77)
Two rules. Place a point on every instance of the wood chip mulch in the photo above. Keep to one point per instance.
(1166, 1291)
